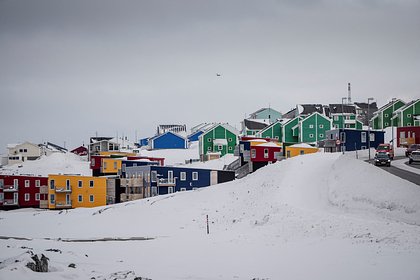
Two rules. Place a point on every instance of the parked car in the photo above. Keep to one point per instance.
(414, 157)
(386, 148)
(382, 159)
(412, 147)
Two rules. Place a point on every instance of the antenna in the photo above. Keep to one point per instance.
(349, 93)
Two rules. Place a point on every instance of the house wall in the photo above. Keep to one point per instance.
(408, 114)
(219, 132)
(168, 141)
(288, 132)
(98, 191)
(268, 113)
(195, 136)
(353, 139)
(23, 189)
(408, 135)
(25, 151)
(296, 151)
(274, 132)
(259, 153)
(313, 128)
(110, 165)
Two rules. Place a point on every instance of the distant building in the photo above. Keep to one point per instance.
(352, 139)
(180, 129)
(383, 116)
(168, 140)
(49, 148)
(102, 144)
(80, 151)
(220, 139)
(18, 153)
(408, 115)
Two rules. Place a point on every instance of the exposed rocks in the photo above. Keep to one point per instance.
(72, 265)
(39, 264)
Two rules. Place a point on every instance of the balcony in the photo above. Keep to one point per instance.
(10, 202)
(63, 189)
(10, 188)
(165, 182)
(43, 204)
(63, 205)
(130, 197)
(43, 189)
(349, 121)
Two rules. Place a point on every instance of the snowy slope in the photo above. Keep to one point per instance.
(56, 163)
(318, 216)
(174, 156)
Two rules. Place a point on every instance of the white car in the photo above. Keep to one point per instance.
(414, 157)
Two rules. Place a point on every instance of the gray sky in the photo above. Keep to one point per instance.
(69, 69)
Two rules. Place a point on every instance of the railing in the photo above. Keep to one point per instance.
(10, 188)
(349, 121)
(166, 182)
(63, 189)
(10, 202)
(63, 204)
(242, 171)
(43, 204)
(234, 165)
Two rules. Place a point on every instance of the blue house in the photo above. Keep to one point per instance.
(352, 139)
(144, 142)
(194, 136)
(168, 140)
(160, 180)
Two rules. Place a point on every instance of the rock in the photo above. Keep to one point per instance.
(39, 265)
(72, 265)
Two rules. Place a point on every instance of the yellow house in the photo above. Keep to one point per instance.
(300, 149)
(111, 165)
(73, 191)
(121, 154)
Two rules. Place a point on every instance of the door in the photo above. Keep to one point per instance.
(213, 178)
(15, 198)
(68, 199)
(170, 189)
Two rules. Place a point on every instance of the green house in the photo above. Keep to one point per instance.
(290, 131)
(274, 131)
(382, 118)
(344, 116)
(313, 127)
(408, 115)
(219, 138)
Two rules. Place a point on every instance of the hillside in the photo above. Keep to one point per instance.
(320, 216)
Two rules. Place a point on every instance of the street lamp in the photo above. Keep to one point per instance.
(342, 120)
(369, 99)
(392, 122)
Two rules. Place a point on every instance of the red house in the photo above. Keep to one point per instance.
(17, 191)
(265, 152)
(160, 160)
(408, 135)
(81, 151)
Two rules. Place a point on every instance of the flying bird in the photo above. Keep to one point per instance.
(218, 75)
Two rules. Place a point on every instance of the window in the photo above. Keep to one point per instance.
(80, 184)
(92, 162)
(194, 188)
(208, 139)
(154, 176)
(195, 176)
(154, 191)
(15, 183)
(1, 183)
(80, 198)
(372, 137)
(115, 165)
(321, 135)
(26, 183)
(321, 126)
(386, 115)
(408, 115)
(38, 183)
(52, 198)
(311, 126)
(91, 183)
(183, 189)
(253, 153)
(311, 135)
(25, 150)
(229, 139)
(170, 189)
(363, 137)
(37, 196)
(408, 124)
(276, 137)
(1, 197)
(386, 124)
(301, 152)
(183, 176)
(91, 198)
(208, 148)
(105, 165)
(336, 118)
(265, 153)
(27, 196)
(67, 184)
(220, 147)
(288, 154)
(230, 148)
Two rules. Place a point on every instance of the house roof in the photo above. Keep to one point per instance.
(224, 125)
(364, 106)
(269, 144)
(281, 122)
(407, 105)
(342, 109)
(291, 114)
(261, 110)
(252, 124)
(307, 109)
(99, 139)
(386, 106)
(160, 135)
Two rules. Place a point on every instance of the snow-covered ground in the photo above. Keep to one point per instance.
(174, 156)
(57, 163)
(318, 216)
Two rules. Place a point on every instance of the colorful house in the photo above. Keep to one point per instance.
(258, 152)
(197, 130)
(144, 142)
(168, 140)
(219, 138)
(352, 139)
(382, 118)
(408, 135)
(266, 114)
(408, 115)
(18, 191)
(291, 130)
(250, 127)
(103, 144)
(300, 149)
(73, 191)
(80, 151)
(344, 116)
(273, 131)
(158, 180)
(312, 128)
(18, 153)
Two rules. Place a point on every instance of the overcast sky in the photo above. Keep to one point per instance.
(69, 69)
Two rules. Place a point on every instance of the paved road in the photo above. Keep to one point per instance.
(407, 175)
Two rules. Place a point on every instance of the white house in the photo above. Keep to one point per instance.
(18, 153)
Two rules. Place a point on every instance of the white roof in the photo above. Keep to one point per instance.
(258, 140)
(269, 144)
(11, 146)
(302, 145)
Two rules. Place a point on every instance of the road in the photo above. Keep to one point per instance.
(407, 175)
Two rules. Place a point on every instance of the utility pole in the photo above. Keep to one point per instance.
(342, 121)
(369, 99)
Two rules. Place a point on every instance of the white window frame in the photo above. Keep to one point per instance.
(170, 190)
(1, 184)
(372, 137)
(266, 153)
(209, 140)
(311, 126)
(321, 126)
(153, 176)
(27, 196)
(37, 197)
(80, 198)
(209, 148)
(80, 184)
(91, 183)
(183, 176)
(408, 115)
(91, 198)
(15, 183)
(321, 135)
(52, 184)
(220, 147)
(253, 153)
(311, 135)
(363, 137)
(336, 118)
(386, 115)
(37, 183)
(1, 197)
(230, 148)
(195, 176)
(115, 164)
(52, 198)
(27, 183)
